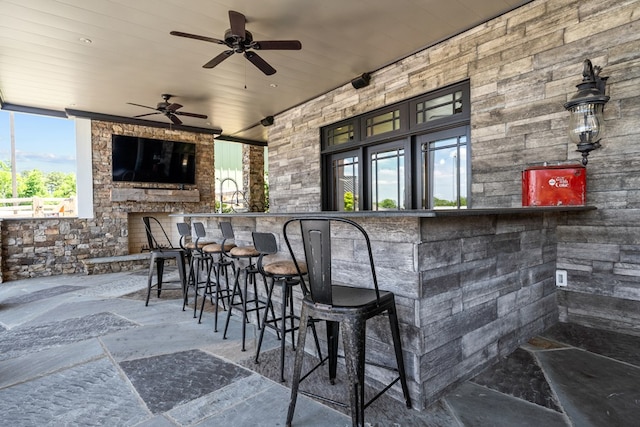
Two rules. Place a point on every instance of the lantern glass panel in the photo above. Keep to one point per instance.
(585, 123)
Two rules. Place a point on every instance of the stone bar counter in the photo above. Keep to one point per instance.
(470, 285)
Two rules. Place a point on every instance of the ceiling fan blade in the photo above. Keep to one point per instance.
(196, 37)
(278, 45)
(140, 105)
(218, 59)
(238, 22)
(260, 63)
(173, 107)
(148, 114)
(174, 119)
(184, 113)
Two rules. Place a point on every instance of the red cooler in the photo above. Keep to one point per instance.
(554, 185)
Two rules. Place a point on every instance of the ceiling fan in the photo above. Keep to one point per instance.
(168, 109)
(239, 40)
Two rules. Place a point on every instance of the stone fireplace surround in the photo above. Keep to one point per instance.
(122, 205)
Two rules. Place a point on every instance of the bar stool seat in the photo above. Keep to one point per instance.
(244, 251)
(284, 268)
(197, 245)
(216, 248)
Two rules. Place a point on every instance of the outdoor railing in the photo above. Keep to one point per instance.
(37, 207)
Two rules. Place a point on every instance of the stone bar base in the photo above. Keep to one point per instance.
(471, 286)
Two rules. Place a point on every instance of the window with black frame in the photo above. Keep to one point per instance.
(409, 155)
(345, 188)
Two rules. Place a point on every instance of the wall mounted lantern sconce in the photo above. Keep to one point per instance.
(361, 81)
(586, 121)
(267, 121)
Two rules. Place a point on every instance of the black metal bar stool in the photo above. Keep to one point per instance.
(248, 254)
(162, 250)
(199, 262)
(338, 305)
(286, 273)
(218, 268)
(194, 258)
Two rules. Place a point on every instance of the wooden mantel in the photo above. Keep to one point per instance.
(154, 195)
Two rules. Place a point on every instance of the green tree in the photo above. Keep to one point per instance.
(33, 184)
(388, 204)
(5, 181)
(59, 184)
(348, 201)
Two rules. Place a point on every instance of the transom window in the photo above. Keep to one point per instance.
(340, 135)
(410, 155)
(383, 123)
(443, 106)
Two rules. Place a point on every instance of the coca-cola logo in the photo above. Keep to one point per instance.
(559, 182)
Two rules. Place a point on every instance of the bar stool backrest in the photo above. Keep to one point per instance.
(227, 231)
(201, 233)
(185, 231)
(156, 236)
(316, 239)
(265, 243)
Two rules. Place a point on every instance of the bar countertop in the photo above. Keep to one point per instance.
(418, 213)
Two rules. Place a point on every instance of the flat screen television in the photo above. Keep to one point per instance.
(137, 159)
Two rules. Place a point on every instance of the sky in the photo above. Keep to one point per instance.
(42, 142)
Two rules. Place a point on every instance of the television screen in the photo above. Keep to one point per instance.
(152, 160)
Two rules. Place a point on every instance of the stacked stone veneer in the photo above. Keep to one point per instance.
(43, 247)
(522, 67)
(468, 289)
(253, 176)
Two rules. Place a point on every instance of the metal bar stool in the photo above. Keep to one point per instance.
(200, 263)
(237, 253)
(218, 267)
(162, 250)
(349, 306)
(197, 260)
(286, 273)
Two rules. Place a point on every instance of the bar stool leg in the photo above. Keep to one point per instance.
(244, 310)
(236, 290)
(264, 319)
(152, 259)
(285, 291)
(353, 336)
(216, 268)
(190, 281)
(397, 345)
(297, 366)
(182, 274)
(333, 330)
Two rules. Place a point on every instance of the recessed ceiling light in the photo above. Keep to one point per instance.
(273, 85)
(85, 40)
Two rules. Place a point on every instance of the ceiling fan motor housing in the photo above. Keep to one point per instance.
(236, 43)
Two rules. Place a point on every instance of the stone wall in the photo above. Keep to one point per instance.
(253, 177)
(50, 246)
(522, 67)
